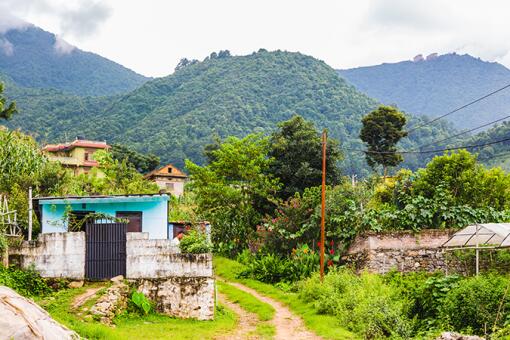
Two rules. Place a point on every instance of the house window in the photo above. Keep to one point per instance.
(169, 170)
(86, 156)
(169, 186)
(134, 218)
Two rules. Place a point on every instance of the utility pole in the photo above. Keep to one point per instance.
(323, 203)
(30, 209)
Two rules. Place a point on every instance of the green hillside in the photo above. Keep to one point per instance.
(33, 60)
(175, 116)
(437, 85)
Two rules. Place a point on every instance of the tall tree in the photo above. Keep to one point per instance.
(6, 111)
(297, 151)
(382, 130)
(231, 187)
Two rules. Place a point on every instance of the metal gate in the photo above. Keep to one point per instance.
(105, 253)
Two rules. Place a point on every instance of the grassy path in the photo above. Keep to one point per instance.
(325, 326)
(286, 323)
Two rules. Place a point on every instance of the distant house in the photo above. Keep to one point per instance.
(146, 213)
(169, 179)
(77, 155)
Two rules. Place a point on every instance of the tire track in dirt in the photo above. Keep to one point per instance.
(247, 322)
(287, 324)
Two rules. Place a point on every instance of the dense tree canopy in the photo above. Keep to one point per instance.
(296, 147)
(141, 162)
(174, 117)
(231, 190)
(382, 130)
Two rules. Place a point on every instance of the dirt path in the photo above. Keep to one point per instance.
(247, 321)
(287, 324)
(81, 299)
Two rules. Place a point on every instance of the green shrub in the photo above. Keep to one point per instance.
(425, 293)
(473, 305)
(363, 304)
(26, 282)
(271, 268)
(195, 242)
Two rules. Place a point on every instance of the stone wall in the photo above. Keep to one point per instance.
(162, 258)
(181, 285)
(404, 251)
(54, 255)
(185, 297)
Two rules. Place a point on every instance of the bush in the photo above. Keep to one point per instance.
(363, 304)
(473, 305)
(26, 282)
(195, 242)
(272, 268)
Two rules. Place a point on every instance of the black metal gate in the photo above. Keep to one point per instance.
(105, 253)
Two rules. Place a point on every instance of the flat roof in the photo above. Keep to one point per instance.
(102, 199)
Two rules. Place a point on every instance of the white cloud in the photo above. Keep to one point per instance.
(151, 36)
(6, 47)
(61, 46)
(77, 18)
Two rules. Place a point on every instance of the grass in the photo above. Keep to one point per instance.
(152, 326)
(324, 325)
(248, 302)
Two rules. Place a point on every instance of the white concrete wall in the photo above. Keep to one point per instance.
(148, 258)
(55, 255)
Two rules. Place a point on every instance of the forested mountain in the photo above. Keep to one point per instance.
(175, 116)
(436, 85)
(35, 58)
(497, 154)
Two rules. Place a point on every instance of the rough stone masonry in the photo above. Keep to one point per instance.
(180, 285)
(403, 251)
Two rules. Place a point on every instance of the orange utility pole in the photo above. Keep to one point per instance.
(323, 203)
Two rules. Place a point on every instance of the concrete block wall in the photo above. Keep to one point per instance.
(162, 259)
(55, 255)
(404, 251)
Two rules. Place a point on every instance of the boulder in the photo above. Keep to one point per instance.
(75, 284)
(23, 319)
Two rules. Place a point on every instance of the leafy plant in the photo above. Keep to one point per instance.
(194, 242)
(26, 282)
(141, 302)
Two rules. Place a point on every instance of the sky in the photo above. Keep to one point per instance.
(151, 36)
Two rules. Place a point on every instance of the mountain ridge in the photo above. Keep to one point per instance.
(35, 58)
(436, 86)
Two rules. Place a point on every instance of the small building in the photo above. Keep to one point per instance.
(169, 179)
(146, 213)
(77, 155)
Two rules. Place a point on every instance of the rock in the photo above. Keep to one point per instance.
(112, 302)
(75, 284)
(457, 336)
(118, 278)
(23, 319)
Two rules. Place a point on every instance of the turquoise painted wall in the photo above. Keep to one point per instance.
(154, 213)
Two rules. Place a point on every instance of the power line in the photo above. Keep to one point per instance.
(494, 156)
(457, 109)
(433, 151)
(463, 132)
